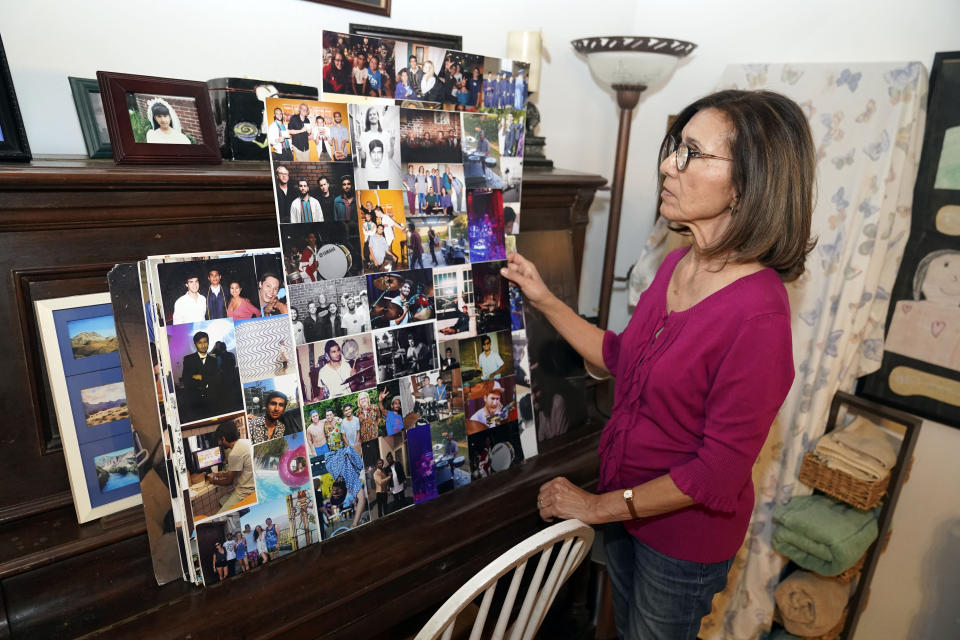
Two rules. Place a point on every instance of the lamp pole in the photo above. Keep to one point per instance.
(628, 95)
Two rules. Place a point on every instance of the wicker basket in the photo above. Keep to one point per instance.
(857, 493)
(829, 635)
(852, 572)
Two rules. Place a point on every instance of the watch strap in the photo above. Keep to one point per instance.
(628, 498)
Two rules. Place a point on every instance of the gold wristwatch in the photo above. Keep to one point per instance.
(628, 498)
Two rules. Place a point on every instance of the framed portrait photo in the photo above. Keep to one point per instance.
(158, 120)
(80, 349)
(93, 119)
(13, 136)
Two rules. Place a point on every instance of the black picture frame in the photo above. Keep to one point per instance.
(84, 90)
(925, 388)
(13, 135)
(114, 89)
(444, 40)
(379, 7)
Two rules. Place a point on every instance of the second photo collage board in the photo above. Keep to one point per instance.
(410, 345)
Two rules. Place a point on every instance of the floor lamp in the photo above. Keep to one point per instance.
(629, 64)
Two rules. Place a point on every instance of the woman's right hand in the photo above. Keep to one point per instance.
(524, 274)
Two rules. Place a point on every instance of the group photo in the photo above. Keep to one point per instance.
(358, 65)
(383, 233)
(434, 189)
(329, 309)
(308, 131)
(314, 191)
(208, 289)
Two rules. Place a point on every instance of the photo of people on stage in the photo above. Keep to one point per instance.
(383, 230)
(486, 357)
(273, 408)
(201, 290)
(358, 65)
(401, 298)
(405, 350)
(320, 251)
(491, 296)
(428, 135)
(375, 131)
(420, 450)
(205, 374)
(450, 455)
(336, 367)
(481, 151)
(485, 225)
(386, 470)
(314, 191)
(428, 397)
(329, 309)
(494, 450)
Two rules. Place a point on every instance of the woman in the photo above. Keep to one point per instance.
(299, 332)
(445, 202)
(422, 181)
(403, 90)
(240, 308)
(220, 561)
(429, 79)
(241, 545)
(434, 242)
(693, 402)
(261, 544)
(164, 131)
(374, 78)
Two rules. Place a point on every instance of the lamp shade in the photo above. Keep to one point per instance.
(632, 60)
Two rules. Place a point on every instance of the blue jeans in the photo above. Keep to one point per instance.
(656, 597)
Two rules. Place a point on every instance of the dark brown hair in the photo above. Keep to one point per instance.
(773, 172)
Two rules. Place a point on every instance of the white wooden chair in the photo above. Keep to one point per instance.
(572, 537)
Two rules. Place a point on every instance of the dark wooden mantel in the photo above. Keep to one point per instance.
(63, 224)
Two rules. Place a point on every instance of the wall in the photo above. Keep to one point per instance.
(48, 40)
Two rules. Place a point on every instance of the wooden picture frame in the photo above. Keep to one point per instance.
(13, 135)
(442, 40)
(190, 136)
(86, 383)
(90, 111)
(379, 7)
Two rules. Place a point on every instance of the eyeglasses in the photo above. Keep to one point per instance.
(683, 154)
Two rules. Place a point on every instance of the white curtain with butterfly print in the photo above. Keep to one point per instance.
(867, 122)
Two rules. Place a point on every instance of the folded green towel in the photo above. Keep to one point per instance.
(822, 534)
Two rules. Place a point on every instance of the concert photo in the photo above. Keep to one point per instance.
(486, 357)
(491, 296)
(485, 225)
(494, 450)
(405, 351)
(400, 298)
(318, 251)
(336, 367)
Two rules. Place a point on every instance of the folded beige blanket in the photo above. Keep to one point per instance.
(810, 604)
(860, 449)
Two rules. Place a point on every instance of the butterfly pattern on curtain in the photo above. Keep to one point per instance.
(867, 122)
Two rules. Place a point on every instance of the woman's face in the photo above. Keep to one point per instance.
(704, 191)
(373, 117)
(235, 289)
(162, 120)
(941, 284)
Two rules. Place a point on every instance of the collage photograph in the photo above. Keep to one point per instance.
(358, 65)
(401, 298)
(488, 356)
(375, 129)
(386, 475)
(405, 350)
(329, 309)
(315, 251)
(494, 450)
(336, 367)
(383, 236)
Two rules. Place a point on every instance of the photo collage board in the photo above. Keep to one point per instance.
(378, 358)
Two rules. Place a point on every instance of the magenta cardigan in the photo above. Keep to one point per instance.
(696, 401)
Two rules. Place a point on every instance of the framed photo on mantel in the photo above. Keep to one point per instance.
(158, 120)
(13, 137)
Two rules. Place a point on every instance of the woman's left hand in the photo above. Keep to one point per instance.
(562, 499)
